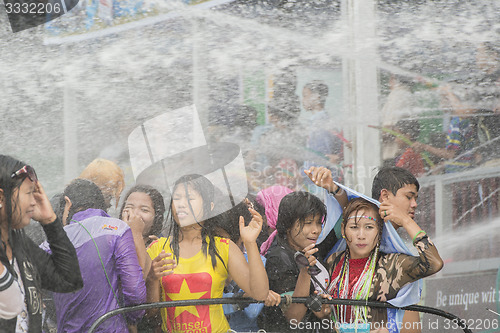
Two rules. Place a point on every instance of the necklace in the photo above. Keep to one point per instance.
(358, 315)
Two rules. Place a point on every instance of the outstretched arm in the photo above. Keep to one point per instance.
(251, 276)
(322, 177)
(444, 153)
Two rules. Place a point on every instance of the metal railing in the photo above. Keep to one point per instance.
(458, 200)
(460, 323)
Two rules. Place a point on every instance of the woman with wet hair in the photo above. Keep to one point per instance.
(143, 209)
(192, 262)
(299, 224)
(147, 203)
(22, 198)
(363, 272)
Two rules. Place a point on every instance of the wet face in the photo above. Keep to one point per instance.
(361, 233)
(300, 236)
(23, 203)
(181, 202)
(142, 205)
(405, 199)
(310, 100)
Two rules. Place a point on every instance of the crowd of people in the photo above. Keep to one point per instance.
(463, 135)
(277, 244)
(428, 126)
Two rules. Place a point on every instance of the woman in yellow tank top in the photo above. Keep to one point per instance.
(193, 263)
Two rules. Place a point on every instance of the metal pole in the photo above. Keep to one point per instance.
(462, 324)
(361, 82)
(70, 111)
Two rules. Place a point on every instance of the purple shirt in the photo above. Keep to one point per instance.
(77, 311)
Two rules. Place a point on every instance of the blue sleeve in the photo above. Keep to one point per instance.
(130, 274)
(333, 215)
(253, 310)
(228, 308)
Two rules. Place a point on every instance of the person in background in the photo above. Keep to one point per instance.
(147, 203)
(487, 99)
(270, 199)
(194, 263)
(275, 151)
(105, 173)
(22, 198)
(399, 104)
(325, 144)
(409, 159)
(112, 276)
(459, 154)
(108, 176)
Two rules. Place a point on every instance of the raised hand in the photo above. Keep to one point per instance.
(322, 177)
(43, 212)
(250, 232)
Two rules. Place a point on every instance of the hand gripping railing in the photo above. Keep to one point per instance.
(244, 300)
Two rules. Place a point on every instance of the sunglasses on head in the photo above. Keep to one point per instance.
(27, 171)
(302, 261)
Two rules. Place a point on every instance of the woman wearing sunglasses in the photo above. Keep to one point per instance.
(299, 223)
(22, 198)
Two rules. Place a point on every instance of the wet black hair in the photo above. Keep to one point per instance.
(83, 194)
(317, 87)
(357, 204)
(392, 179)
(206, 190)
(229, 221)
(298, 206)
(9, 165)
(320, 88)
(158, 206)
